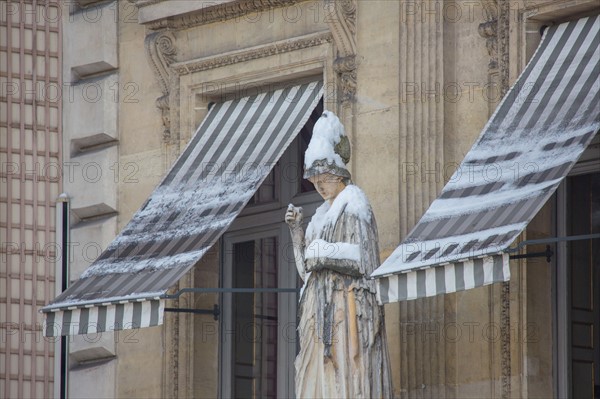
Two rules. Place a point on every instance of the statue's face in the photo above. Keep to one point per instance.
(327, 185)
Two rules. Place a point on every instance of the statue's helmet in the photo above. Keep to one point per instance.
(329, 148)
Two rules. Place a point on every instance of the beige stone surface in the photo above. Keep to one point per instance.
(375, 140)
(91, 26)
(253, 29)
(421, 101)
(91, 108)
(84, 380)
(140, 355)
(88, 240)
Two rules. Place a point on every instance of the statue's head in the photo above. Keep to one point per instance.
(328, 185)
(328, 151)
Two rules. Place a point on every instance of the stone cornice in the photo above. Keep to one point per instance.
(209, 13)
(252, 53)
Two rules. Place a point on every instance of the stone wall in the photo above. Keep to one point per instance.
(414, 83)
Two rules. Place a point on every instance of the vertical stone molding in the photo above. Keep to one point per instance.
(489, 31)
(161, 51)
(341, 18)
(496, 32)
(421, 129)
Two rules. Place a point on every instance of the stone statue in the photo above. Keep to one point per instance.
(343, 349)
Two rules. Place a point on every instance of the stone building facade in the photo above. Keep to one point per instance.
(414, 83)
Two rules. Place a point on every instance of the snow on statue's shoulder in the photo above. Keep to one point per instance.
(351, 200)
(327, 133)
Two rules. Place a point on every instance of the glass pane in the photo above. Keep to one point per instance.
(580, 252)
(255, 319)
(269, 189)
(289, 173)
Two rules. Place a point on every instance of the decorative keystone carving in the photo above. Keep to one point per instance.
(161, 52)
(342, 23)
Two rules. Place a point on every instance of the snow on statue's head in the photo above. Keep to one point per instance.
(329, 149)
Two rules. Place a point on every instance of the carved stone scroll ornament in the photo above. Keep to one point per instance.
(161, 52)
(341, 19)
(346, 68)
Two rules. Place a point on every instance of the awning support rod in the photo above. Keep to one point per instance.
(228, 291)
(547, 253)
(215, 311)
(551, 240)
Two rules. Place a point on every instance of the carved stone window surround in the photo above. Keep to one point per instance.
(233, 57)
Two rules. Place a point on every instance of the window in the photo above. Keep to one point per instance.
(258, 330)
(577, 277)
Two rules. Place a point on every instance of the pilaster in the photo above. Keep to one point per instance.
(421, 129)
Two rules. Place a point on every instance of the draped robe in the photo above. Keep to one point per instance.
(343, 350)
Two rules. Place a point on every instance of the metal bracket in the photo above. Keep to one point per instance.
(215, 311)
(228, 291)
(548, 253)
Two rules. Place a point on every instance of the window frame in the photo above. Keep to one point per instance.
(286, 307)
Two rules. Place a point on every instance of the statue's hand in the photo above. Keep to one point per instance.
(293, 216)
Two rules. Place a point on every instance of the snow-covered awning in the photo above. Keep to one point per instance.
(232, 152)
(536, 135)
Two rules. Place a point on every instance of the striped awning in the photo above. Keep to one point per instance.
(536, 135)
(232, 152)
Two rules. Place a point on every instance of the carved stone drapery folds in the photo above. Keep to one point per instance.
(161, 51)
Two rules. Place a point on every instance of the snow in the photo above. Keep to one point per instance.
(352, 200)
(79, 303)
(333, 250)
(197, 208)
(531, 158)
(396, 263)
(130, 266)
(327, 132)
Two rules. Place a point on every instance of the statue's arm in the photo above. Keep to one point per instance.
(341, 257)
(293, 218)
